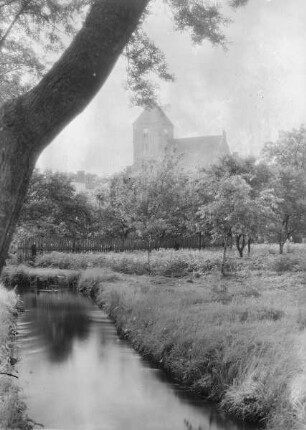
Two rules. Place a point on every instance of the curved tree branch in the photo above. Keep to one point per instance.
(30, 122)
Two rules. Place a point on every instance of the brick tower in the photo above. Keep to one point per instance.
(152, 131)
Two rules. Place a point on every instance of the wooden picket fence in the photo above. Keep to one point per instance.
(34, 246)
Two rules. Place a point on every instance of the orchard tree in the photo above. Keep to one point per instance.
(257, 175)
(159, 197)
(287, 157)
(289, 150)
(148, 200)
(159, 204)
(233, 212)
(116, 201)
(290, 213)
(34, 113)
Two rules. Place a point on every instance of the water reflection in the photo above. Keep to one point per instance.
(77, 374)
(60, 318)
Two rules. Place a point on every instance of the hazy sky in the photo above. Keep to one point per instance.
(252, 91)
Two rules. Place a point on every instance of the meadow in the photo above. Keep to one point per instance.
(238, 339)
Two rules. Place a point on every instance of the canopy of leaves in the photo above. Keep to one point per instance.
(288, 150)
(287, 158)
(148, 201)
(31, 30)
(233, 209)
(203, 20)
(256, 174)
(290, 213)
(52, 207)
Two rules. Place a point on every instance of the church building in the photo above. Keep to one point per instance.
(153, 132)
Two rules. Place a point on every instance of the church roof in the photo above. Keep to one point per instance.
(155, 114)
(202, 149)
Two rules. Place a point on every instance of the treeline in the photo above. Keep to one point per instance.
(236, 201)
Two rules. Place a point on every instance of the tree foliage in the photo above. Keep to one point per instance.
(203, 20)
(146, 201)
(255, 177)
(290, 213)
(31, 30)
(52, 207)
(34, 32)
(287, 159)
(240, 199)
(234, 210)
(289, 150)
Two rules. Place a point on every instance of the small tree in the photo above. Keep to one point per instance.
(148, 200)
(233, 211)
(290, 212)
(258, 176)
(287, 157)
(116, 200)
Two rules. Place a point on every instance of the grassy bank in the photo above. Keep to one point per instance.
(240, 340)
(12, 409)
(236, 341)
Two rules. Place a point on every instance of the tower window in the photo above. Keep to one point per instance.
(145, 132)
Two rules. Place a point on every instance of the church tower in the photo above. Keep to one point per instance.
(152, 131)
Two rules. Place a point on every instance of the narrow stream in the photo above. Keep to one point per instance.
(77, 374)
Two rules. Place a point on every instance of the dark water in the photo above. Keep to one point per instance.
(77, 374)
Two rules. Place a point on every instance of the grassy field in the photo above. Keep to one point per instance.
(239, 339)
(12, 410)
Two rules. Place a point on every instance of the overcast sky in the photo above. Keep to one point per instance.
(251, 91)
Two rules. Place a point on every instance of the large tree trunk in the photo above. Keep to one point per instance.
(30, 122)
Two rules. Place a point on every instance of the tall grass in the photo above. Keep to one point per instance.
(165, 262)
(180, 263)
(12, 409)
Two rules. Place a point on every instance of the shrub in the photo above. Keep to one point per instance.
(26, 277)
(286, 263)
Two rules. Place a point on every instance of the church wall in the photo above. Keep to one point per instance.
(150, 139)
(153, 131)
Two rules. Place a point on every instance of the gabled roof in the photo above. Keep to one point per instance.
(199, 142)
(155, 114)
(202, 149)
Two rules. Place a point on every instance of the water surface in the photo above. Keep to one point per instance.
(77, 374)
